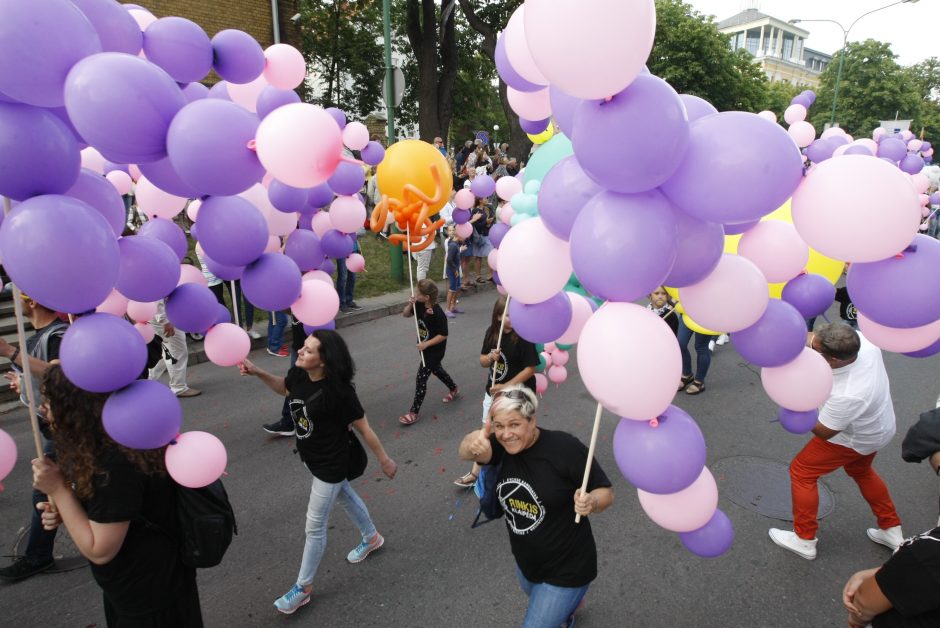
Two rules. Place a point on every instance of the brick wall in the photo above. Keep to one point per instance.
(251, 16)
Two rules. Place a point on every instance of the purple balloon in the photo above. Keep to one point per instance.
(738, 167)
(912, 163)
(797, 422)
(272, 282)
(925, 146)
(461, 216)
(564, 107)
(144, 415)
(223, 315)
(89, 339)
(859, 149)
(373, 153)
(697, 107)
(100, 195)
(237, 57)
(110, 166)
(483, 186)
(624, 245)
(305, 221)
(116, 28)
(810, 294)
(208, 144)
(662, 458)
(180, 47)
(892, 148)
(226, 273)
(339, 115)
(801, 100)
(336, 244)
(61, 252)
(934, 198)
(507, 72)
(319, 196)
(271, 98)
(901, 291)
(303, 247)
(309, 329)
(123, 106)
(497, 232)
(711, 540)
(163, 175)
(699, 246)
(38, 153)
(565, 191)
(231, 230)
(820, 150)
(219, 91)
(347, 179)
(810, 94)
(926, 352)
(149, 268)
(496, 279)
(192, 307)
(328, 266)
(777, 337)
(41, 42)
(195, 91)
(168, 232)
(541, 322)
(534, 127)
(635, 141)
(286, 198)
(63, 115)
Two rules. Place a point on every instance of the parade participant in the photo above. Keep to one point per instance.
(482, 218)
(539, 490)
(513, 362)
(455, 244)
(118, 506)
(432, 343)
(323, 405)
(175, 354)
(665, 308)
(856, 421)
(693, 384)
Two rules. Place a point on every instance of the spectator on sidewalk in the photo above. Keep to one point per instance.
(175, 354)
(244, 311)
(346, 283)
(277, 323)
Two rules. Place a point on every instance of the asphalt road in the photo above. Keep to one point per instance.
(434, 569)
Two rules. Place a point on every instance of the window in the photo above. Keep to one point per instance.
(787, 46)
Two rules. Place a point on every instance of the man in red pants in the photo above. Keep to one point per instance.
(856, 421)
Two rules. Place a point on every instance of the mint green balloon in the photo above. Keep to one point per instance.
(549, 154)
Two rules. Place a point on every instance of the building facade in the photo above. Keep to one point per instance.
(255, 17)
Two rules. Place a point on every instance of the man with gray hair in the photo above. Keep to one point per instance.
(855, 422)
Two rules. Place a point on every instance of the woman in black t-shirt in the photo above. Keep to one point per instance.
(539, 490)
(118, 506)
(323, 406)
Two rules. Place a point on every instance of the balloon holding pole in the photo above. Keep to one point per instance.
(414, 305)
(590, 456)
(235, 306)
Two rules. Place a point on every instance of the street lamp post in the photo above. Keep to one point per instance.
(845, 42)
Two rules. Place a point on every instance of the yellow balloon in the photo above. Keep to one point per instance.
(409, 161)
(696, 327)
(544, 136)
(731, 243)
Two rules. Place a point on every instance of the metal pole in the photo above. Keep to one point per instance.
(275, 20)
(389, 71)
(835, 91)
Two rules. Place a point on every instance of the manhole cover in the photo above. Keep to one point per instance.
(763, 486)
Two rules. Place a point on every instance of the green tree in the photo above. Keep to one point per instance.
(778, 97)
(925, 79)
(476, 97)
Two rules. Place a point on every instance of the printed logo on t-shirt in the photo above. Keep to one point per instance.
(501, 367)
(851, 312)
(303, 425)
(524, 511)
(422, 331)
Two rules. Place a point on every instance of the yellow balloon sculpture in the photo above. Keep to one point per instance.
(544, 136)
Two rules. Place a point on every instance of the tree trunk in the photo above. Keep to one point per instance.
(437, 67)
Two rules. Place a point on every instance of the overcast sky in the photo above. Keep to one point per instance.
(910, 28)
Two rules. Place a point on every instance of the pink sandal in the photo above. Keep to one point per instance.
(453, 395)
(408, 418)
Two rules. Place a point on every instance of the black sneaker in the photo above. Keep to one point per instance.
(352, 305)
(23, 568)
(278, 429)
(345, 308)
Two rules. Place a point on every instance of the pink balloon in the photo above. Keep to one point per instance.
(492, 259)
(140, 312)
(626, 338)
(93, 160)
(517, 49)
(547, 357)
(464, 199)
(196, 460)
(321, 223)
(914, 145)
(115, 303)
(507, 187)
(802, 132)
(155, 202)
(899, 340)
(355, 263)
(347, 213)
(920, 182)
(355, 135)
(506, 212)
(557, 374)
(535, 263)
(227, 344)
(300, 144)
(317, 305)
(550, 347)
(192, 210)
(319, 275)
(924, 199)
(733, 297)
(121, 181)
(465, 230)
(687, 510)
(840, 150)
(146, 331)
(134, 171)
(7, 455)
(768, 115)
(143, 19)
(541, 384)
(794, 113)
(871, 145)
(832, 131)
(801, 385)
(191, 274)
(560, 357)
(246, 94)
(609, 43)
(776, 249)
(284, 67)
(530, 105)
(581, 311)
(274, 244)
(878, 133)
(281, 224)
(856, 208)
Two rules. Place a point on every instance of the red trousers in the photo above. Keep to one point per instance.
(820, 457)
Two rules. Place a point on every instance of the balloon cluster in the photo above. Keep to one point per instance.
(95, 96)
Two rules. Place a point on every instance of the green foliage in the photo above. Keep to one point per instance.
(476, 94)
(778, 96)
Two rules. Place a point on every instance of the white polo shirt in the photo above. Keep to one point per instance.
(860, 404)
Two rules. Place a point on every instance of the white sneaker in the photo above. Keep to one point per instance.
(788, 539)
(890, 538)
(711, 345)
(252, 333)
(722, 340)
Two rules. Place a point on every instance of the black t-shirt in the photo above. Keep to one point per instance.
(536, 491)
(669, 315)
(298, 335)
(146, 575)
(515, 354)
(483, 224)
(911, 582)
(846, 308)
(429, 326)
(322, 415)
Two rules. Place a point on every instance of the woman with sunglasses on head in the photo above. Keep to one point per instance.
(539, 490)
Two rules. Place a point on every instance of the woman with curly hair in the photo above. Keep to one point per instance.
(118, 505)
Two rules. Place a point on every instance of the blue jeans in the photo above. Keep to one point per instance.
(549, 606)
(277, 323)
(345, 282)
(322, 496)
(40, 542)
(247, 318)
(703, 356)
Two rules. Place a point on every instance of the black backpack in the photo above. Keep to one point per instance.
(206, 524)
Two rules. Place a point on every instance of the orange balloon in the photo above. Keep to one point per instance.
(409, 162)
